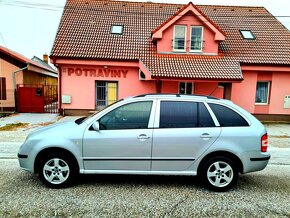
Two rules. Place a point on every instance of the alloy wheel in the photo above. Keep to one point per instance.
(56, 171)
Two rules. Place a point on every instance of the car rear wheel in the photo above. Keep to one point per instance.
(57, 170)
(219, 174)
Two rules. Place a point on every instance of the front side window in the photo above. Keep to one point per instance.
(184, 115)
(227, 117)
(196, 38)
(262, 92)
(130, 116)
(185, 88)
(179, 39)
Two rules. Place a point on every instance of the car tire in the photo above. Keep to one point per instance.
(57, 170)
(219, 174)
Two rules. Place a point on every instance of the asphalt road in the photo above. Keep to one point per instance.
(261, 194)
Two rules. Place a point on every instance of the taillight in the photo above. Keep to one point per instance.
(264, 143)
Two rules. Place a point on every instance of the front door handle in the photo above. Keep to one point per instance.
(143, 136)
(205, 136)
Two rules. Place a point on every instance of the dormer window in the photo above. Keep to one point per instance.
(247, 34)
(117, 29)
(179, 38)
(196, 40)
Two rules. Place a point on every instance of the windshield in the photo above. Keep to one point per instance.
(83, 119)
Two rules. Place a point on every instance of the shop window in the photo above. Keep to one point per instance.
(262, 92)
(130, 116)
(184, 115)
(185, 88)
(196, 40)
(3, 88)
(179, 38)
(106, 93)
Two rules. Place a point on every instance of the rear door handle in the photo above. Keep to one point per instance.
(143, 136)
(205, 136)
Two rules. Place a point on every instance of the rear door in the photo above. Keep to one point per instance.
(185, 129)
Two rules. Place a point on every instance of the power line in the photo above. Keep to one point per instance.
(59, 8)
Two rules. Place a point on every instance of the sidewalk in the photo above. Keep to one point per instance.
(30, 118)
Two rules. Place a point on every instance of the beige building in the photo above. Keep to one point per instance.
(25, 82)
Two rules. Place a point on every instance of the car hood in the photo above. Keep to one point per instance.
(55, 128)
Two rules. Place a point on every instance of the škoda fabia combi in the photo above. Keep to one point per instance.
(202, 136)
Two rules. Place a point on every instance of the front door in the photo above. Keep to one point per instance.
(185, 131)
(124, 140)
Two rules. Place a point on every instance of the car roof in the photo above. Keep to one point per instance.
(199, 97)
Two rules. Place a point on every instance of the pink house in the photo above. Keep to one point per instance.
(108, 50)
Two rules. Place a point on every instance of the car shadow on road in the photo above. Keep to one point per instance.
(144, 180)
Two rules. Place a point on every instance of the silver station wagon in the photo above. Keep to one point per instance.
(152, 134)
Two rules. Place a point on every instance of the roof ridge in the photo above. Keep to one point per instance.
(161, 3)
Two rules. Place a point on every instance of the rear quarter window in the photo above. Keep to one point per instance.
(227, 116)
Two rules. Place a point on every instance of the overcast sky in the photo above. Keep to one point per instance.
(29, 26)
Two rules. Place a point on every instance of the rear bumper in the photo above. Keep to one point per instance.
(254, 161)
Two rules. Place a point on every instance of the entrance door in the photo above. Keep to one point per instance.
(106, 93)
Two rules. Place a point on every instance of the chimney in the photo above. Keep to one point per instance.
(45, 58)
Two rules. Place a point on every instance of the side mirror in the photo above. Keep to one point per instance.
(96, 126)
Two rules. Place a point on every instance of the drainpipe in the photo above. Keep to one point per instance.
(60, 110)
(14, 84)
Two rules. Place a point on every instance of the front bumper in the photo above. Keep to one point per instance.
(25, 162)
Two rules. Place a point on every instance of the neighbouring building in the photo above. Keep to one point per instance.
(26, 85)
(108, 50)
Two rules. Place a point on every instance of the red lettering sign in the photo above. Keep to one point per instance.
(96, 73)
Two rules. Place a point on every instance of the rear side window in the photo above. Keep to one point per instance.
(227, 117)
(184, 115)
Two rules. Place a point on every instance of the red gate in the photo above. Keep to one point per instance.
(30, 98)
(37, 98)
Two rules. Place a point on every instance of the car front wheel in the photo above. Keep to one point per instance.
(56, 171)
(219, 174)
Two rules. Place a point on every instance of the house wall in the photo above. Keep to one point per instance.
(199, 88)
(6, 70)
(165, 45)
(79, 81)
(30, 77)
(244, 93)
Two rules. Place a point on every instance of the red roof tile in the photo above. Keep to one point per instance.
(84, 33)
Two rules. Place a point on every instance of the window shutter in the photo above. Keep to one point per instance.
(3, 88)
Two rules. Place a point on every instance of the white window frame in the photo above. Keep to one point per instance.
(248, 34)
(192, 88)
(268, 93)
(115, 28)
(201, 47)
(173, 42)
